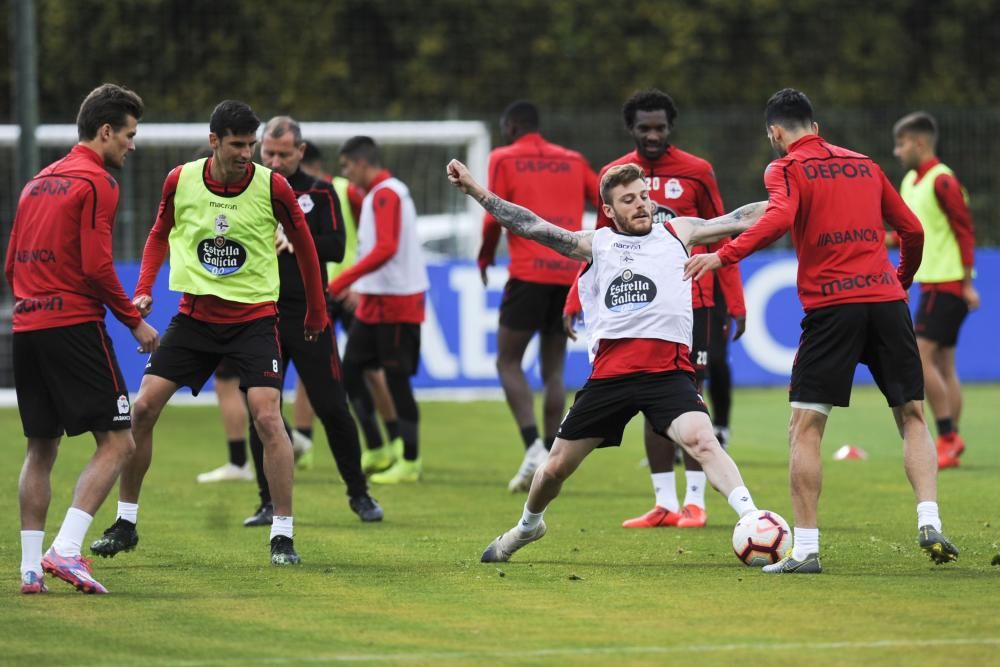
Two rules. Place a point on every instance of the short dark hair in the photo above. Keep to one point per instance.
(363, 148)
(107, 104)
(523, 114)
(233, 117)
(918, 122)
(620, 174)
(279, 125)
(789, 108)
(312, 152)
(649, 100)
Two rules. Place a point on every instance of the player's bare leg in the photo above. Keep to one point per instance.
(511, 345)
(552, 362)
(805, 466)
(934, 382)
(952, 383)
(35, 483)
(235, 423)
(694, 432)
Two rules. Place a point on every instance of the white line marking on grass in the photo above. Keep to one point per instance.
(595, 651)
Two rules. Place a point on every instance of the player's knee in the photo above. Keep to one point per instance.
(703, 445)
(144, 413)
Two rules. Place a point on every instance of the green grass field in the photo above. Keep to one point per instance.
(199, 589)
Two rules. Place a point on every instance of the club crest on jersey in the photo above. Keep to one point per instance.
(221, 256)
(629, 291)
(123, 404)
(306, 203)
(663, 214)
(221, 224)
(673, 189)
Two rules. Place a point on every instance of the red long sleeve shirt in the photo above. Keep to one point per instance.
(681, 185)
(382, 308)
(553, 182)
(834, 201)
(59, 263)
(951, 198)
(210, 308)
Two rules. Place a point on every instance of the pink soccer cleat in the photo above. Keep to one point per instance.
(73, 570)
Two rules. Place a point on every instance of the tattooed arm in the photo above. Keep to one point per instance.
(521, 221)
(695, 231)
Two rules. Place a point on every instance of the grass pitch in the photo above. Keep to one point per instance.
(199, 589)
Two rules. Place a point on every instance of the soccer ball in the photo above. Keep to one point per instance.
(761, 538)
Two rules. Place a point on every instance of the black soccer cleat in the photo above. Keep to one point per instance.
(367, 508)
(937, 545)
(264, 516)
(283, 551)
(121, 536)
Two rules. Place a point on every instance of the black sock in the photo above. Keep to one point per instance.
(548, 443)
(946, 426)
(392, 429)
(238, 452)
(409, 433)
(306, 432)
(529, 434)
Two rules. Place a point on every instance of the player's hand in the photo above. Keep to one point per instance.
(348, 299)
(971, 296)
(460, 177)
(144, 304)
(312, 335)
(281, 242)
(569, 324)
(741, 326)
(698, 265)
(148, 337)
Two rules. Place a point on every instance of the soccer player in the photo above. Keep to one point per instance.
(318, 364)
(638, 310)
(389, 284)
(834, 201)
(556, 183)
(680, 184)
(66, 376)
(218, 219)
(947, 294)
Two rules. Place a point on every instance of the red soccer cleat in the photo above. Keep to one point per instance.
(658, 517)
(950, 445)
(693, 516)
(946, 461)
(33, 582)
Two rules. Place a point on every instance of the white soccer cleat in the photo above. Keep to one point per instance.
(502, 548)
(300, 444)
(227, 473)
(535, 456)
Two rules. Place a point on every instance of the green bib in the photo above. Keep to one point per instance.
(224, 246)
(942, 261)
(340, 186)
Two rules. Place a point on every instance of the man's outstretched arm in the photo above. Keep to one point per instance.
(521, 221)
(704, 232)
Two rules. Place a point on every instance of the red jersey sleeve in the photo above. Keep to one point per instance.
(288, 212)
(782, 206)
(387, 209)
(96, 246)
(731, 284)
(951, 198)
(154, 254)
(911, 233)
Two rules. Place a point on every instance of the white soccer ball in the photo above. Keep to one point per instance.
(761, 538)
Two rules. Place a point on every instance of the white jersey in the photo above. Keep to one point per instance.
(405, 272)
(635, 288)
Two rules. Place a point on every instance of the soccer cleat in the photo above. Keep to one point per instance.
(945, 461)
(75, 571)
(283, 551)
(33, 582)
(692, 516)
(302, 447)
(121, 536)
(366, 508)
(937, 545)
(401, 471)
(227, 473)
(658, 517)
(503, 547)
(264, 516)
(951, 445)
(377, 460)
(788, 565)
(534, 457)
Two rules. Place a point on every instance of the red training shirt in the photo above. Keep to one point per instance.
(834, 201)
(554, 183)
(59, 261)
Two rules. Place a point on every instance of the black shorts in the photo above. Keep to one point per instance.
(190, 351)
(603, 408)
(701, 341)
(67, 379)
(533, 306)
(227, 370)
(940, 316)
(836, 338)
(393, 347)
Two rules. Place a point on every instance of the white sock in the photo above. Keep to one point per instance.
(529, 520)
(806, 542)
(664, 486)
(128, 511)
(31, 551)
(741, 501)
(695, 494)
(71, 533)
(281, 525)
(927, 515)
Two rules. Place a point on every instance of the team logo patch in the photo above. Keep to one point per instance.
(629, 291)
(221, 256)
(673, 189)
(306, 203)
(663, 214)
(123, 404)
(221, 224)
